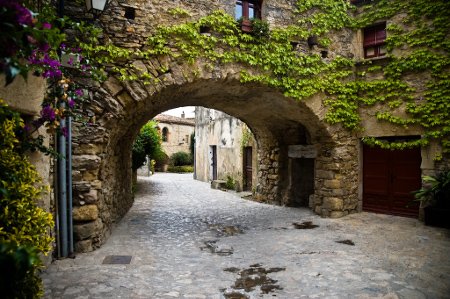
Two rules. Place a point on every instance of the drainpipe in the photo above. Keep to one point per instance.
(69, 183)
(62, 191)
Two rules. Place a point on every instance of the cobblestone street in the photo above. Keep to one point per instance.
(187, 240)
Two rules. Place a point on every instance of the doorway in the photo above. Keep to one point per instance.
(213, 162)
(389, 177)
(302, 181)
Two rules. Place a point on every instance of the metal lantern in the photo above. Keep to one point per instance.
(96, 6)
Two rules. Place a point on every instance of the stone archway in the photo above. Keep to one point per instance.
(102, 157)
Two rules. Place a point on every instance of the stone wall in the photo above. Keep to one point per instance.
(102, 164)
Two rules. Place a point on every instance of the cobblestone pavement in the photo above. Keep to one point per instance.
(189, 241)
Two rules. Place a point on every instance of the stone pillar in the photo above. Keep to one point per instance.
(336, 183)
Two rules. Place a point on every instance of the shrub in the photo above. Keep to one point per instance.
(230, 184)
(181, 169)
(180, 159)
(18, 278)
(22, 223)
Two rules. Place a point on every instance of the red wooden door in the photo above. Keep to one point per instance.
(389, 177)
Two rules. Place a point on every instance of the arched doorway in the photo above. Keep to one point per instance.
(280, 124)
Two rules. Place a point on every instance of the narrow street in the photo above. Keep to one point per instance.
(182, 239)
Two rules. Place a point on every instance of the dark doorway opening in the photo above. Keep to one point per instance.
(302, 181)
(213, 157)
(248, 173)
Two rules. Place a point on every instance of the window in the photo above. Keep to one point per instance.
(165, 134)
(375, 41)
(248, 9)
(130, 13)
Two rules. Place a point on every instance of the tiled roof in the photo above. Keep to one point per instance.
(164, 118)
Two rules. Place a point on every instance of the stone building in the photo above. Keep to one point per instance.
(298, 150)
(225, 149)
(175, 132)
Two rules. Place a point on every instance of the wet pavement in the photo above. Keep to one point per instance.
(182, 239)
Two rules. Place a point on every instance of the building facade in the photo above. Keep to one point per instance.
(175, 133)
(225, 149)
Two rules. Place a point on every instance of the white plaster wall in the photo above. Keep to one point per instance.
(224, 131)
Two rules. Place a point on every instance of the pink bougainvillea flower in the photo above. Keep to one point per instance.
(46, 26)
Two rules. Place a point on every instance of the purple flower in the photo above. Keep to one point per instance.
(46, 25)
(23, 16)
(71, 103)
(63, 46)
(48, 114)
(79, 92)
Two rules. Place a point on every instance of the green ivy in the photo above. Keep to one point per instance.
(417, 44)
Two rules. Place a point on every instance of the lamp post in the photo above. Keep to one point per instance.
(96, 6)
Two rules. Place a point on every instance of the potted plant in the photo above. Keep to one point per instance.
(435, 198)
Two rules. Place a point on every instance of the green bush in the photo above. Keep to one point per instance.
(181, 169)
(147, 143)
(18, 278)
(180, 159)
(231, 183)
(22, 223)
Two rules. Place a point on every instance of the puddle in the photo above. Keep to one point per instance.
(251, 278)
(235, 295)
(212, 247)
(347, 242)
(304, 225)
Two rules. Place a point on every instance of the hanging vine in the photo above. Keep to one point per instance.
(417, 44)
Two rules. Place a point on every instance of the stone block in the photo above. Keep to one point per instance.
(324, 174)
(113, 86)
(97, 184)
(23, 95)
(337, 214)
(218, 184)
(333, 203)
(88, 162)
(125, 99)
(84, 246)
(87, 230)
(273, 177)
(85, 213)
(332, 184)
(90, 175)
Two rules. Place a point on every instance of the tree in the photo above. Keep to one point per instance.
(147, 143)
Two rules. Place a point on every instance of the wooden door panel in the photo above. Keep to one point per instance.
(389, 177)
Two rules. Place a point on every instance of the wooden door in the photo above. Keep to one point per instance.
(389, 177)
(248, 168)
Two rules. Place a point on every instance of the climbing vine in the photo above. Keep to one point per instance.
(417, 44)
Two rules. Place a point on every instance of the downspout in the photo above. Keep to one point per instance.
(62, 190)
(69, 183)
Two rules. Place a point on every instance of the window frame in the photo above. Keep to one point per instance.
(377, 40)
(165, 134)
(245, 5)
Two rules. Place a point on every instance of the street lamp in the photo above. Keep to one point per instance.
(96, 6)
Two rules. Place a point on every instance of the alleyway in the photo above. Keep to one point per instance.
(186, 240)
